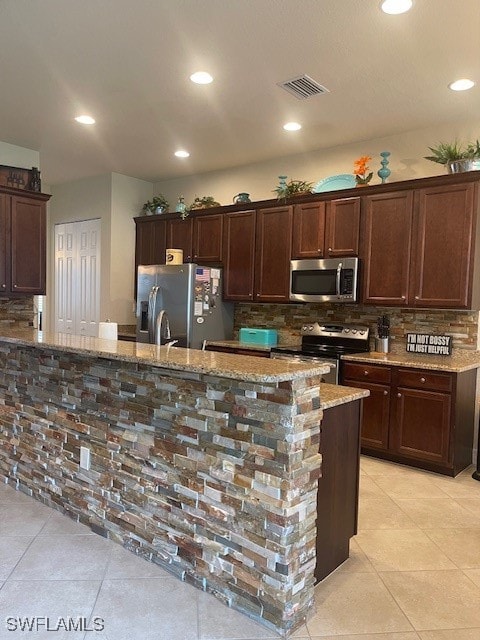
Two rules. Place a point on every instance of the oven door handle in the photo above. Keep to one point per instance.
(339, 273)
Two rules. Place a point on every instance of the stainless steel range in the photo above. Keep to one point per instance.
(326, 343)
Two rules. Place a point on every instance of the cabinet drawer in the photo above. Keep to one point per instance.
(371, 372)
(424, 379)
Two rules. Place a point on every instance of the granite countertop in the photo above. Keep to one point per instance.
(223, 365)
(331, 395)
(460, 360)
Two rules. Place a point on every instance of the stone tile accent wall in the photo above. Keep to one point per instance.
(288, 319)
(16, 313)
(213, 479)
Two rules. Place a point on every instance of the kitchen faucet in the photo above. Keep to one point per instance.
(162, 328)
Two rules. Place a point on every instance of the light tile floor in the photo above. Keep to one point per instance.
(413, 574)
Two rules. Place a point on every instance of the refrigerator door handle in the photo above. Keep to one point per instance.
(152, 303)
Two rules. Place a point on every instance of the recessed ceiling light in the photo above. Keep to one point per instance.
(292, 126)
(461, 85)
(181, 153)
(395, 7)
(85, 119)
(201, 77)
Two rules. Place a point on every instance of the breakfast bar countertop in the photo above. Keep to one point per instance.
(460, 360)
(240, 367)
(332, 395)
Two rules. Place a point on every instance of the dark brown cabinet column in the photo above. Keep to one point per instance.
(239, 255)
(22, 243)
(443, 249)
(386, 251)
(273, 249)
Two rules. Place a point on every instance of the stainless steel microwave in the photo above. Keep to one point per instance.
(330, 280)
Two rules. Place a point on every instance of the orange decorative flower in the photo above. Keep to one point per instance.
(360, 170)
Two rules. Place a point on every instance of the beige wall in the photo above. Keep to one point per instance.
(115, 199)
(14, 156)
(128, 197)
(406, 162)
(83, 199)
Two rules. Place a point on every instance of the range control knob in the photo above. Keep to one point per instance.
(347, 330)
(310, 328)
(354, 331)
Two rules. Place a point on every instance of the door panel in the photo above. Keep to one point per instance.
(308, 230)
(422, 424)
(342, 227)
(386, 247)
(28, 235)
(444, 256)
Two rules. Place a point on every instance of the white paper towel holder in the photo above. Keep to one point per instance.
(108, 329)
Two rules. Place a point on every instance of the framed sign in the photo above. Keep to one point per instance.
(427, 343)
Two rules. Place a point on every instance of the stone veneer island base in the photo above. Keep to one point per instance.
(204, 463)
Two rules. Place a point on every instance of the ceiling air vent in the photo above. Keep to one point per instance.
(303, 87)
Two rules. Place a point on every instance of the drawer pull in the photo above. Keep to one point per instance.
(422, 380)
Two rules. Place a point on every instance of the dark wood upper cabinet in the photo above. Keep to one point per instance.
(326, 229)
(443, 249)
(22, 243)
(180, 236)
(308, 240)
(386, 247)
(273, 249)
(239, 255)
(208, 238)
(342, 227)
(151, 240)
(4, 234)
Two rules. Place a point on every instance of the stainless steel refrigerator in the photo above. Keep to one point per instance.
(182, 304)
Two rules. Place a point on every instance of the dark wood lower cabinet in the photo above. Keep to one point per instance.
(422, 425)
(422, 418)
(337, 497)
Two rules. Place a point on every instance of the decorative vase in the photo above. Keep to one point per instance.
(241, 197)
(161, 209)
(384, 172)
(282, 185)
(181, 207)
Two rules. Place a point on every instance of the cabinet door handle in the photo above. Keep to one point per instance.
(365, 372)
(422, 380)
(417, 297)
(399, 395)
(329, 249)
(404, 297)
(14, 286)
(4, 286)
(385, 393)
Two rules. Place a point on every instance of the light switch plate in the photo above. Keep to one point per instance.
(85, 458)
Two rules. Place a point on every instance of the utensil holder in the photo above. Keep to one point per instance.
(382, 345)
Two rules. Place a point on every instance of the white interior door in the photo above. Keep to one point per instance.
(77, 277)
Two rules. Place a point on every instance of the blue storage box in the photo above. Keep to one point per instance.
(264, 337)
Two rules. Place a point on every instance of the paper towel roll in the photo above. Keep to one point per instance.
(108, 330)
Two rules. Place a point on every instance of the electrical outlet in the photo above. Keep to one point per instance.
(85, 458)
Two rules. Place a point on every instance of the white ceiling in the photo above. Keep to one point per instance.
(128, 62)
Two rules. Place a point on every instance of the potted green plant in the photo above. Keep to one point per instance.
(158, 204)
(293, 188)
(454, 156)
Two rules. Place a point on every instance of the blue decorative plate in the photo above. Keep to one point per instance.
(334, 183)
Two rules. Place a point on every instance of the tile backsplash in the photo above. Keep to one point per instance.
(16, 312)
(287, 319)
